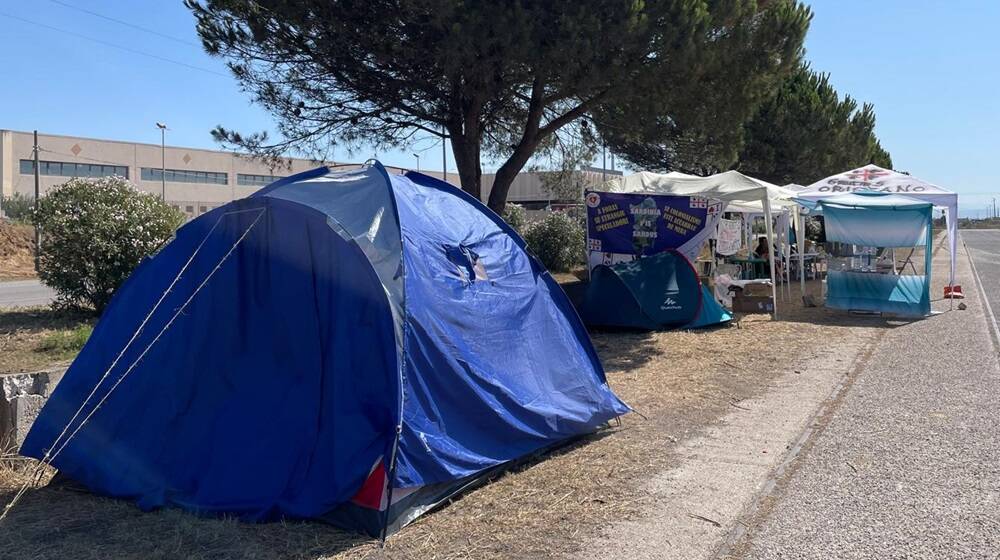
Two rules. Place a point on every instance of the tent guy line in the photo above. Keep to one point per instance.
(138, 331)
(49, 456)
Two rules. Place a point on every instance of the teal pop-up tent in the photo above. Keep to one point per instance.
(650, 293)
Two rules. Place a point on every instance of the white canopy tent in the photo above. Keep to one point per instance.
(874, 178)
(742, 193)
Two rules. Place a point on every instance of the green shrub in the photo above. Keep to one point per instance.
(814, 229)
(94, 233)
(516, 217)
(558, 241)
(17, 207)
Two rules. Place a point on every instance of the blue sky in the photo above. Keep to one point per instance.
(931, 68)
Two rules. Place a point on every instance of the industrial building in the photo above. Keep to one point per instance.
(193, 180)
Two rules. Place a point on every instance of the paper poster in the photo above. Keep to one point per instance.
(730, 238)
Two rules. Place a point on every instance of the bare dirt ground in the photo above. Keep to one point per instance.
(679, 383)
(16, 251)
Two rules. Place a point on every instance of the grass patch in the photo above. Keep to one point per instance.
(35, 338)
(65, 342)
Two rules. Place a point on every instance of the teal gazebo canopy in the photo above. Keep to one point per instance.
(876, 219)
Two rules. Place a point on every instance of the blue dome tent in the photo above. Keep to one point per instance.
(342, 345)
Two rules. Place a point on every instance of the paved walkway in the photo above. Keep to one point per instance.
(909, 465)
(23, 293)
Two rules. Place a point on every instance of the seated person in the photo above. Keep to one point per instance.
(762, 250)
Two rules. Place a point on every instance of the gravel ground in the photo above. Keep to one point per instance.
(909, 465)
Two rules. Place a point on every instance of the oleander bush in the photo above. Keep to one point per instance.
(94, 233)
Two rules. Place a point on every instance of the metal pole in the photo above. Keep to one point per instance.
(418, 161)
(800, 240)
(38, 234)
(769, 231)
(163, 160)
(604, 163)
(163, 164)
(444, 156)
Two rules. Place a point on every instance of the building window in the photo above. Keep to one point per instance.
(65, 169)
(248, 180)
(184, 176)
(189, 209)
(202, 209)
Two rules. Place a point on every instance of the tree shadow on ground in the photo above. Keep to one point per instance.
(624, 350)
(37, 319)
(59, 522)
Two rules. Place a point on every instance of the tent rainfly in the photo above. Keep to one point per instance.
(874, 178)
(743, 193)
(347, 346)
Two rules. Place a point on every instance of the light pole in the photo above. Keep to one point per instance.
(604, 163)
(418, 161)
(163, 160)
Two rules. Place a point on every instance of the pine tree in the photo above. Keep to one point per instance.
(499, 79)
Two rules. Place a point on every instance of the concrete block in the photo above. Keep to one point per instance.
(22, 396)
(26, 409)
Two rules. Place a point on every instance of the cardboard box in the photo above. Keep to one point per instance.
(752, 304)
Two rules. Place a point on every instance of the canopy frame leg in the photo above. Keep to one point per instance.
(769, 230)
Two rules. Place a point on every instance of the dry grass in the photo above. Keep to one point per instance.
(679, 382)
(575, 275)
(34, 338)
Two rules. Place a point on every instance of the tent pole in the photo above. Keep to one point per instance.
(949, 221)
(929, 256)
(800, 240)
(786, 249)
(769, 230)
(390, 476)
(780, 252)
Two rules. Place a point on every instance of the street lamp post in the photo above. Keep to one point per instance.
(163, 160)
(418, 161)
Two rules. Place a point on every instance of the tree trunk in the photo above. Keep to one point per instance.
(508, 172)
(467, 159)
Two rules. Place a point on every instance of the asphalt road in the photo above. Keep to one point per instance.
(908, 466)
(24, 293)
(984, 247)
